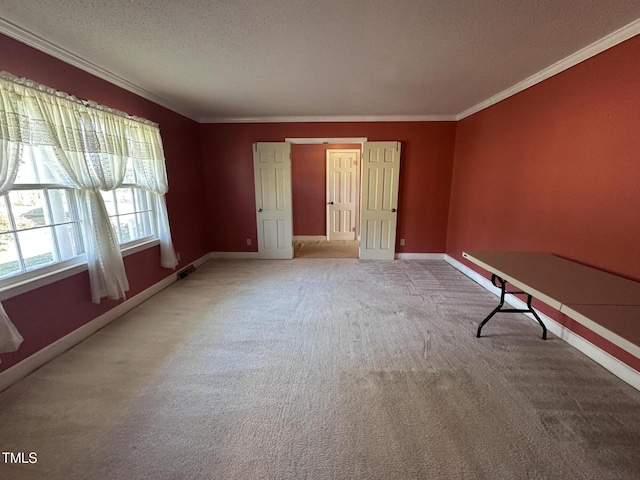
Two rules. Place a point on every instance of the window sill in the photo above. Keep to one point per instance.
(138, 247)
(48, 278)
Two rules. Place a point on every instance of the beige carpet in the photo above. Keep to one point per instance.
(324, 249)
(321, 369)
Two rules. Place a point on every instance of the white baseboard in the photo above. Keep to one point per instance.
(201, 260)
(28, 365)
(608, 361)
(399, 256)
(310, 238)
(233, 255)
(51, 351)
(420, 256)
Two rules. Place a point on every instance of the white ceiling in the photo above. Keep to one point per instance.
(250, 59)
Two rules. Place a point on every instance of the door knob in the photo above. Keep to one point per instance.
(329, 203)
(259, 209)
(393, 209)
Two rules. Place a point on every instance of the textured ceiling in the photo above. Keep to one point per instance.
(318, 58)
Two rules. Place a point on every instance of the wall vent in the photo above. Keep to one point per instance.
(186, 271)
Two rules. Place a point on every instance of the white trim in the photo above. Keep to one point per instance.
(53, 276)
(325, 141)
(552, 302)
(420, 256)
(339, 118)
(600, 330)
(615, 366)
(581, 55)
(37, 281)
(567, 310)
(245, 255)
(138, 247)
(51, 351)
(310, 238)
(203, 259)
(39, 43)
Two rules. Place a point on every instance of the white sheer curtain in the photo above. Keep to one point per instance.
(88, 159)
(10, 139)
(86, 147)
(10, 154)
(151, 175)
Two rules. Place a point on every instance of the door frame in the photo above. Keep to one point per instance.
(320, 141)
(338, 140)
(358, 185)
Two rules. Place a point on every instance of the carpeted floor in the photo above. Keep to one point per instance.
(321, 369)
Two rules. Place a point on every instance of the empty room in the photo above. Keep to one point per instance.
(319, 240)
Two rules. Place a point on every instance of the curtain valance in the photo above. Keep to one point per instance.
(86, 147)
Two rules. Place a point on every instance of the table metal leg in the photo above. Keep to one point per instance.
(502, 284)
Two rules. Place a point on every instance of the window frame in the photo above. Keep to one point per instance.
(150, 211)
(26, 281)
(51, 226)
(23, 285)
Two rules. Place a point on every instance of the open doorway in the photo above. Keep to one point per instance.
(311, 197)
(378, 218)
(325, 249)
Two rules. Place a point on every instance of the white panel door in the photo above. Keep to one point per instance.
(272, 174)
(379, 210)
(342, 194)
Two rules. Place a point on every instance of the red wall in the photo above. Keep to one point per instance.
(308, 185)
(47, 314)
(425, 177)
(556, 168)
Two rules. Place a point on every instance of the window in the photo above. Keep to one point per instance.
(40, 226)
(39, 221)
(54, 152)
(130, 210)
(130, 213)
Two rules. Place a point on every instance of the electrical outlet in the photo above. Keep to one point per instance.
(248, 241)
(402, 242)
(178, 256)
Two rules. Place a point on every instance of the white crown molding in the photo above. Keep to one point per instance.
(39, 43)
(55, 51)
(337, 119)
(611, 40)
